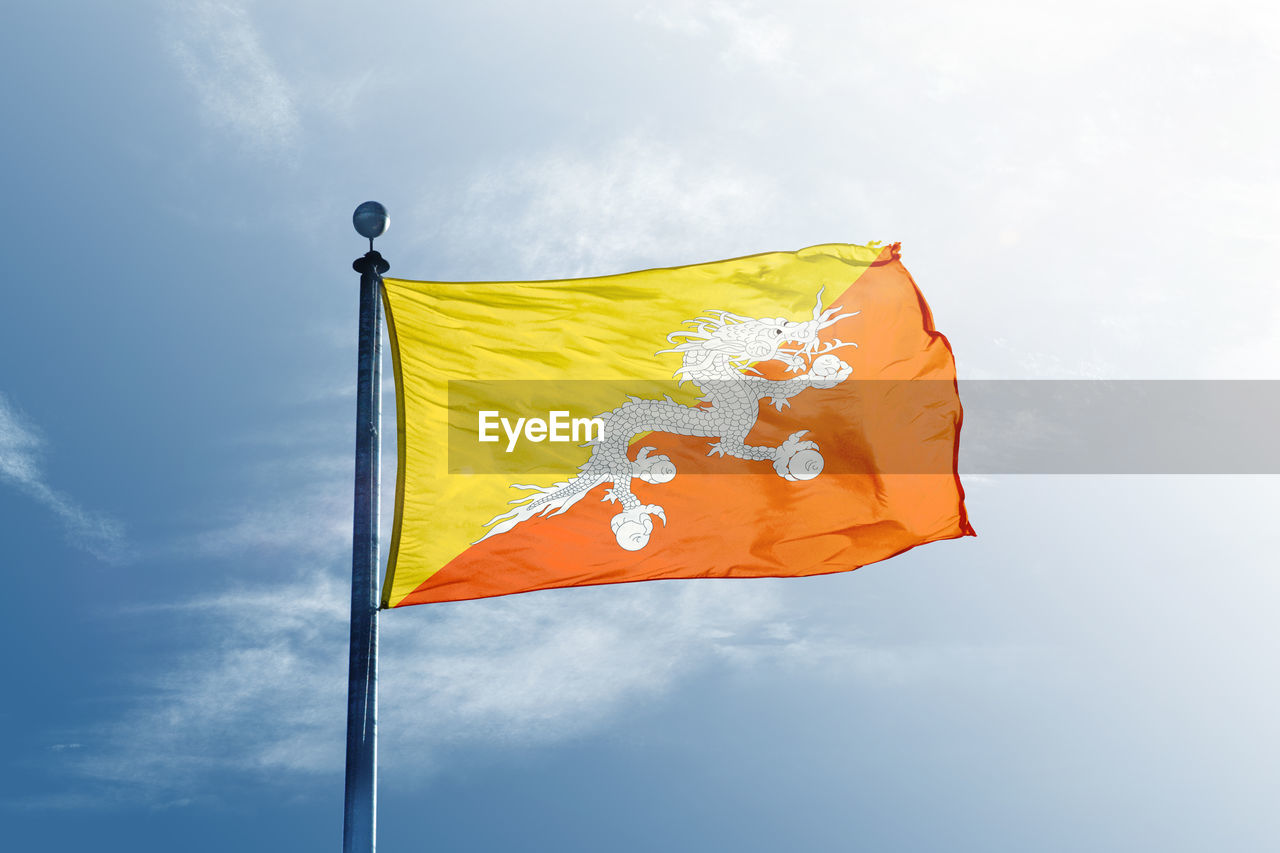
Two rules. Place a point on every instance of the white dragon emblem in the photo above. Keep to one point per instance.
(718, 353)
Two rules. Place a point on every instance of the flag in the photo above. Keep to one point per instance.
(782, 414)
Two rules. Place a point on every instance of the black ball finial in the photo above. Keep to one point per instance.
(371, 220)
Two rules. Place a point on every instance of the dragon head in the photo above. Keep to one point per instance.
(722, 344)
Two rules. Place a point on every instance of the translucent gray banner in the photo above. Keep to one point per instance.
(899, 426)
(1120, 427)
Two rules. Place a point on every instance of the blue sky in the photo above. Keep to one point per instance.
(1083, 190)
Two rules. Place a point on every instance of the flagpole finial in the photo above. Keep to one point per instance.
(371, 220)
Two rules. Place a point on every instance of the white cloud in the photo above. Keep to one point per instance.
(236, 82)
(265, 696)
(20, 465)
(569, 213)
(315, 523)
(742, 34)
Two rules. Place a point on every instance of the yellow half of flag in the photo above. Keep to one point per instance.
(789, 413)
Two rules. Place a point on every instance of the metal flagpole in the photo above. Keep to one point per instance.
(359, 825)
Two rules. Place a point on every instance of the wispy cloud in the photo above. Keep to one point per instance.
(541, 668)
(744, 35)
(569, 213)
(312, 525)
(264, 700)
(266, 696)
(20, 446)
(237, 84)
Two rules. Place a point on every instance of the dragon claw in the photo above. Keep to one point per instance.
(828, 371)
(633, 527)
(653, 469)
(797, 460)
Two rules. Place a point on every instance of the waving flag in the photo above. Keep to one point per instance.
(781, 414)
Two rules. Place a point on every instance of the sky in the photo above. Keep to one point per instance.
(1083, 191)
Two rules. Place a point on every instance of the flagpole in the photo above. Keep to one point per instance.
(359, 825)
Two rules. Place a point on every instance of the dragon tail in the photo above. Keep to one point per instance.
(545, 501)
